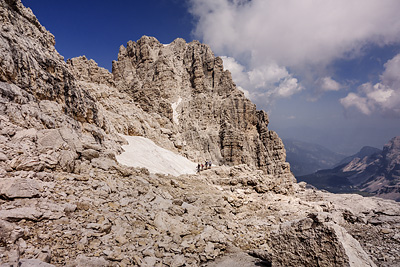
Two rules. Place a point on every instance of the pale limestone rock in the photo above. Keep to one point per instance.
(90, 154)
(83, 261)
(88, 70)
(149, 262)
(42, 71)
(215, 121)
(26, 163)
(178, 260)
(166, 223)
(311, 242)
(50, 139)
(67, 160)
(17, 214)
(26, 133)
(19, 188)
(9, 233)
(29, 263)
(103, 163)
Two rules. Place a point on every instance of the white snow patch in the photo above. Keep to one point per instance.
(142, 152)
(165, 45)
(175, 114)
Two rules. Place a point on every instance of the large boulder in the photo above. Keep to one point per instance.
(315, 241)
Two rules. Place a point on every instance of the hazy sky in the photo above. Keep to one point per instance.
(327, 72)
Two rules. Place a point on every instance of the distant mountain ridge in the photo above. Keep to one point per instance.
(376, 174)
(306, 158)
(364, 152)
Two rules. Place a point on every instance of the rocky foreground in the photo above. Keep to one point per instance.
(116, 216)
(66, 201)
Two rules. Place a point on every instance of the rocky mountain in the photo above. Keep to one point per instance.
(66, 201)
(364, 152)
(306, 158)
(377, 173)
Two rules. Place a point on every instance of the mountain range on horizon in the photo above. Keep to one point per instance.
(306, 158)
(371, 170)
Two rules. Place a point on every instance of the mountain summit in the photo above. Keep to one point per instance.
(198, 109)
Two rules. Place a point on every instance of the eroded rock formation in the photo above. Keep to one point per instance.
(207, 116)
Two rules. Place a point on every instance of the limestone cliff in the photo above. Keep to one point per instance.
(208, 117)
(30, 61)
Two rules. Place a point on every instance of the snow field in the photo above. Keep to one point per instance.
(142, 152)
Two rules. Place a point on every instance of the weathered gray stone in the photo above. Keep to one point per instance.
(24, 213)
(19, 188)
(3, 157)
(67, 160)
(312, 242)
(214, 119)
(28, 263)
(84, 261)
(90, 154)
(50, 139)
(103, 163)
(9, 233)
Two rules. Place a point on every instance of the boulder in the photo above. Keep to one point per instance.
(313, 241)
(23, 213)
(103, 163)
(28, 263)
(11, 188)
(84, 261)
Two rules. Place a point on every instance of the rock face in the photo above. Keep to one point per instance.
(378, 174)
(30, 61)
(206, 115)
(314, 241)
(65, 200)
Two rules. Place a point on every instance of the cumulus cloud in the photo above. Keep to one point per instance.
(270, 37)
(293, 33)
(353, 100)
(269, 81)
(383, 97)
(328, 84)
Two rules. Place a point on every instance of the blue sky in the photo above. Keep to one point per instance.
(325, 71)
(98, 28)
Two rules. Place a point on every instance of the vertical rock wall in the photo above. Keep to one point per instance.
(30, 61)
(214, 119)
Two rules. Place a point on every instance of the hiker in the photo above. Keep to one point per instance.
(206, 164)
(202, 166)
(209, 164)
(198, 168)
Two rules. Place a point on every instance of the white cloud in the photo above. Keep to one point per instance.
(269, 81)
(392, 72)
(353, 100)
(328, 84)
(295, 33)
(270, 37)
(383, 97)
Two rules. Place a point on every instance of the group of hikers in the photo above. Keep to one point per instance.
(205, 166)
